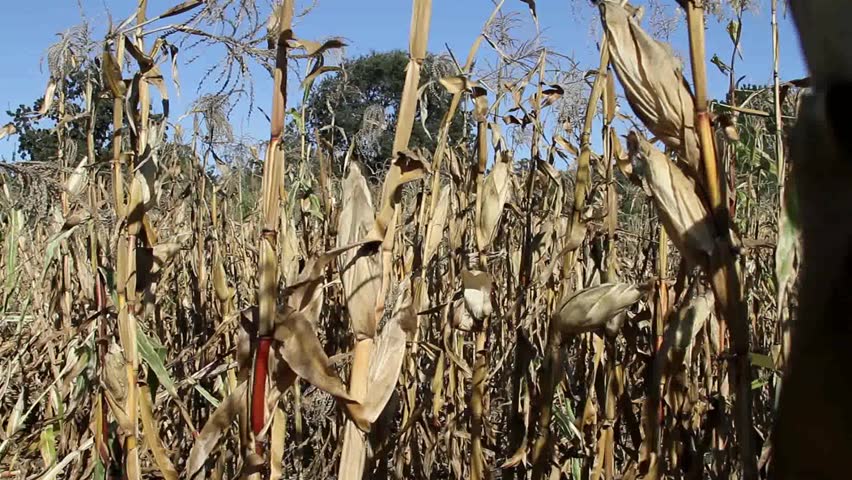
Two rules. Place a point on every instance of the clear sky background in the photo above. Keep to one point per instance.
(27, 28)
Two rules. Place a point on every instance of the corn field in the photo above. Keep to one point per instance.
(178, 303)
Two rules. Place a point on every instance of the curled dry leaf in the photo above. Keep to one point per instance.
(299, 347)
(551, 94)
(111, 73)
(460, 83)
(223, 291)
(408, 166)
(303, 291)
(313, 48)
(360, 270)
(678, 200)
(477, 287)
(594, 308)
(457, 84)
(290, 252)
(653, 82)
(495, 193)
(115, 375)
(216, 425)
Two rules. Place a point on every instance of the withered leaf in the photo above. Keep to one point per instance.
(221, 419)
(386, 361)
(299, 347)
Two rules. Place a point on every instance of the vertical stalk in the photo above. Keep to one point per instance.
(551, 365)
(65, 287)
(480, 367)
(129, 305)
(101, 431)
(273, 168)
(781, 315)
(724, 276)
(776, 87)
(611, 193)
(352, 464)
(582, 185)
(660, 314)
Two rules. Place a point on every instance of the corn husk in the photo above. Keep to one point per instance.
(360, 270)
(677, 198)
(594, 308)
(477, 287)
(653, 82)
(680, 334)
(495, 193)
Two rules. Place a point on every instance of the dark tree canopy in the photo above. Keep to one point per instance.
(37, 137)
(364, 100)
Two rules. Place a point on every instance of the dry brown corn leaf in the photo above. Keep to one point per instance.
(595, 307)
(299, 347)
(313, 48)
(551, 94)
(477, 287)
(115, 375)
(461, 83)
(653, 82)
(182, 7)
(495, 193)
(152, 436)
(457, 84)
(216, 425)
(435, 230)
(111, 73)
(290, 252)
(360, 270)
(678, 200)
(303, 291)
(408, 166)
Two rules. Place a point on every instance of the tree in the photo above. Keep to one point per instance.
(37, 137)
(363, 100)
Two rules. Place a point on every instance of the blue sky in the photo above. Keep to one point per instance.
(28, 28)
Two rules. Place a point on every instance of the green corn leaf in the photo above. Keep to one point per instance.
(153, 353)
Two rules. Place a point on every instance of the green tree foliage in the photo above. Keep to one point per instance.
(363, 99)
(37, 136)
